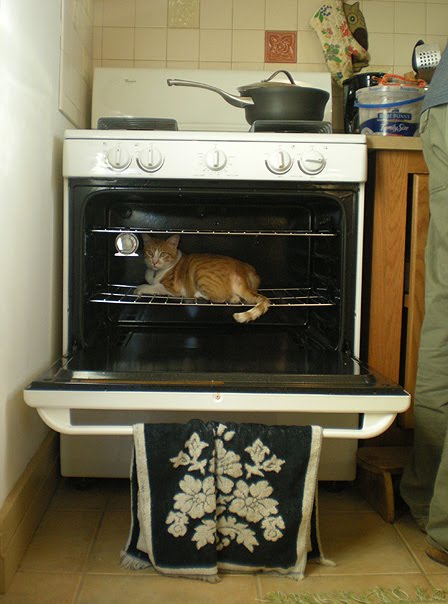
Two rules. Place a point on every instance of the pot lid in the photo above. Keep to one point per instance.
(267, 83)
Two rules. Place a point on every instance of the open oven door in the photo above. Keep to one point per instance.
(106, 389)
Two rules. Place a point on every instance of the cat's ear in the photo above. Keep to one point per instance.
(173, 241)
(146, 238)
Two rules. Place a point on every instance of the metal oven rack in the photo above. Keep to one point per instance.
(123, 294)
(256, 233)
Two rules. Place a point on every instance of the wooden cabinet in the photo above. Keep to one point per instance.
(400, 223)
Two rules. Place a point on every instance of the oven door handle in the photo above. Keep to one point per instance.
(373, 424)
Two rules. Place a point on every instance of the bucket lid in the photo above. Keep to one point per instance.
(389, 94)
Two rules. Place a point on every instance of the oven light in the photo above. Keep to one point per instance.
(126, 244)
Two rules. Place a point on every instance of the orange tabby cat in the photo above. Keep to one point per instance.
(215, 278)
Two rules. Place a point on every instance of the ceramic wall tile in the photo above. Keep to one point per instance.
(439, 39)
(410, 17)
(404, 45)
(216, 14)
(150, 64)
(306, 9)
(182, 64)
(97, 42)
(281, 15)
(98, 13)
(117, 63)
(118, 13)
(215, 45)
(309, 49)
(379, 16)
(247, 65)
(151, 13)
(215, 65)
(248, 14)
(248, 45)
(118, 43)
(183, 13)
(183, 45)
(280, 46)
(437, 19)
(240, 41)
(381, 47)
(150, 44)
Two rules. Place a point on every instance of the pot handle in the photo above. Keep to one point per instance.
(287, 74)
(236, 101)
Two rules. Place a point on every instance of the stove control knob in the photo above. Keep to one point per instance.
(150, 159)
(215, 159)
(279, 162)
(118, 157)
(312, 162)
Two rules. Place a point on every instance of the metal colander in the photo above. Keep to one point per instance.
(425, 59)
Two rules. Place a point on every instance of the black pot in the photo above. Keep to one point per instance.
(350, 86)
(269, 100)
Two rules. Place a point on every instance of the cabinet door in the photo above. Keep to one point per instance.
(388, 261)
(400, 176)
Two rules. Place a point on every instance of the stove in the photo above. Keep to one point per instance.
(288, 202)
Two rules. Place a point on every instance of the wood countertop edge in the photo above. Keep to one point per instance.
(394, 143)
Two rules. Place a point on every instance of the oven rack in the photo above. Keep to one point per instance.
(249, 232)
(286, 297)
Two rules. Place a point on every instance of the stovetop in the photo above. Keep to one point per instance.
(168, 124)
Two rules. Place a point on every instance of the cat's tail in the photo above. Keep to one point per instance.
(261, 306)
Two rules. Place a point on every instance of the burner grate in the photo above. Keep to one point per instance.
(295, 126)
(136, 123)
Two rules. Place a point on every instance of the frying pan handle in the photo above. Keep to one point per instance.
(236, 101)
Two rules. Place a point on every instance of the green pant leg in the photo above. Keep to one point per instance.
(424, 484)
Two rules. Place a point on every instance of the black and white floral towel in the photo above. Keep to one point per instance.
(207, 496)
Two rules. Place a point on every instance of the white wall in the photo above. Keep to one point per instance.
(31, 131)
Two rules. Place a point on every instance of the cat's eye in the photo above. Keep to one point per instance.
(163, 254)
(150, 254)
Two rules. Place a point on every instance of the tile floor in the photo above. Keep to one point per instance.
(74, 556)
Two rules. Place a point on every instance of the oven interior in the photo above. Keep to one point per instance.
(301, 239)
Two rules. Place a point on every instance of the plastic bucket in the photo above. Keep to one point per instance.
(390, 110)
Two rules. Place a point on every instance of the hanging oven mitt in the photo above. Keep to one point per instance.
(343, 54)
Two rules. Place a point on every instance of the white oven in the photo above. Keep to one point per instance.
(290, 203)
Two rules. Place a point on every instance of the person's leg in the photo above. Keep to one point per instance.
(437, 527)
(425, 476)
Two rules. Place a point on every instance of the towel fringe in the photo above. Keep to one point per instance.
(130, 563)
(324, 561)
(206, 578)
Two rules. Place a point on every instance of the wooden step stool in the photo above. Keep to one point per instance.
(378, 468)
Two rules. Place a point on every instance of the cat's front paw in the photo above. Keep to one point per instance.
(142, 289)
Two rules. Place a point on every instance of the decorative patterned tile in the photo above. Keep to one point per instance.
(280, 47)
(183, 13)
